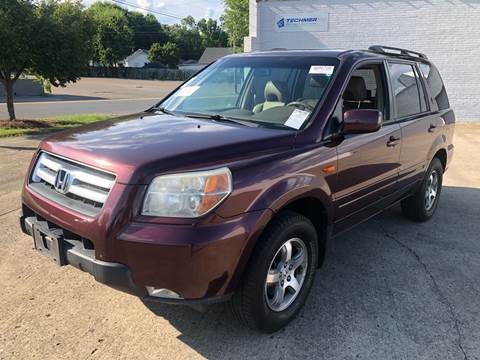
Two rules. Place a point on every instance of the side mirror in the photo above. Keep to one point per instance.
(360, 121)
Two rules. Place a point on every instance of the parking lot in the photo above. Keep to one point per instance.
(390, 289)
(92, 96)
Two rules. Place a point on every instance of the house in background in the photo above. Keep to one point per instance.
(140, 58)
(190, 65)
(212, 54)
(209, 55)
(137, 60)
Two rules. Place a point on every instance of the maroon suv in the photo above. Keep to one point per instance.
(231, 186)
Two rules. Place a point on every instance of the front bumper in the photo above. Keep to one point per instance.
(73, 252)
(190, 271)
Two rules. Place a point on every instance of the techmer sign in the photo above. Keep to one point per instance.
(302, 22)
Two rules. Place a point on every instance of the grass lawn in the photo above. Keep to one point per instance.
(32, 127)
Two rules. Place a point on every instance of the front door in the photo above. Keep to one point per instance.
(368, 164)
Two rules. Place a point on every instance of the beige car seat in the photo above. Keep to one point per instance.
(276, 94)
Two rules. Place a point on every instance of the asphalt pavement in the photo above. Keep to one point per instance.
(390, 289)
(92, 96)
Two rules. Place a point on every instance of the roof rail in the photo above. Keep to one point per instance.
(396, 51)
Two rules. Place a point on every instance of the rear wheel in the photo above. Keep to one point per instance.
(422, 205)
(279, 275)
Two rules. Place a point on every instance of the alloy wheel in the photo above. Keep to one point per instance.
(431, 190)
(286, 274)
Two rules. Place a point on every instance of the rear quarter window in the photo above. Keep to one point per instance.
(435, 84)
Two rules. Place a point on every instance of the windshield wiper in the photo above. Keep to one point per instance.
(220, 118)
(163, 110)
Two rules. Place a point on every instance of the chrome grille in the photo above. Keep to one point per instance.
(73, 185)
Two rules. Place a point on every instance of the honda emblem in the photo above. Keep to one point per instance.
(62, 181)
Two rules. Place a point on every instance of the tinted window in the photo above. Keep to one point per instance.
(423, 104)
(437, 89)
(405, 89)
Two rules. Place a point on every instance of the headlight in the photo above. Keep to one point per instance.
(187, 195)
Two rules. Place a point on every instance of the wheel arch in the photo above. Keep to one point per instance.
(315, 210)
(287, 195)
(441, 154)
(439, 150)
(311, 204)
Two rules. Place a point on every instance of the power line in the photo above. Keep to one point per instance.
(148, 10)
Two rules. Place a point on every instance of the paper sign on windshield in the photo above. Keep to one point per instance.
(297, 118)
(321, 70)
(186, 91)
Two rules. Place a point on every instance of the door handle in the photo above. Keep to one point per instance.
(393, 141)
(432, 128)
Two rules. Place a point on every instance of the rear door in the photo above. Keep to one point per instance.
(412, 113)
(368, 164)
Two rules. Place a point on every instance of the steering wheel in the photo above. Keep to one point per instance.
(301, 105)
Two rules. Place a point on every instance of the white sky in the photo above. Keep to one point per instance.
(182, 8)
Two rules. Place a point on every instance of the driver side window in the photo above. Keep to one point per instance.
(365, 90)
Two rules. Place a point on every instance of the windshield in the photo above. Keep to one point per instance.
(278, 91)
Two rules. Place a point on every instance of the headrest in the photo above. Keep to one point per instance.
(356, 89)
(276, 91)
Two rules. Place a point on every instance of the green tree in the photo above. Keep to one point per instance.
(17, 31)
(166, 54)
(49, 39)
(113, 39)
(189, 22)
(187, 37)
(65, 33)
(235, 21)
(146, 30)
(212, 34)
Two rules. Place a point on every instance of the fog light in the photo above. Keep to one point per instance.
(162, 293)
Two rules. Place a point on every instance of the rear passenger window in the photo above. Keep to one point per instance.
(435, 84)
(405, 89)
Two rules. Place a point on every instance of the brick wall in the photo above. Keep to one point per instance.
(448, 31)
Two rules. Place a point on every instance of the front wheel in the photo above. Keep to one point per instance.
(279, 275)
(422, 205)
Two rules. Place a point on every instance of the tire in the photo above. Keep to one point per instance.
(255, 303)
(420, 206)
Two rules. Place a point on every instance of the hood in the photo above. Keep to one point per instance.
(140, 146)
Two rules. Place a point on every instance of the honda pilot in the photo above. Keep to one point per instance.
(230, 188)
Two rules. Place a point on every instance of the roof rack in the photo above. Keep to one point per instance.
(396, 51)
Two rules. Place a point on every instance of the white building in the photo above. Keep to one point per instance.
(137, 60)
(446, 30)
